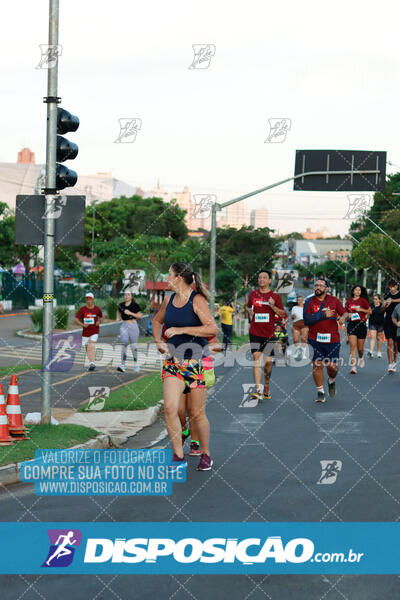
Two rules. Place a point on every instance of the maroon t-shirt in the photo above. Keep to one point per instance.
(264, 318)
(326, 330)
(352, 307)
(90, 316)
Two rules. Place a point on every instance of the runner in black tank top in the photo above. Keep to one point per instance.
(188, 321)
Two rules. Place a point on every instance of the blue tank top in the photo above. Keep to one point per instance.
(184, 347)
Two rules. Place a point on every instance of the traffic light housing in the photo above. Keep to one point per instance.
(66, 150)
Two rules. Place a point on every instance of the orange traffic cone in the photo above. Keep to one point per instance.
(15, 423)
(5, 437)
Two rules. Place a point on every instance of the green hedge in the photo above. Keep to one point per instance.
(112, 306)
(37, 320)
(61, 317)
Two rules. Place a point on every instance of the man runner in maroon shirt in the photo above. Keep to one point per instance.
(89, 318)
(263, 306)
(319, 314)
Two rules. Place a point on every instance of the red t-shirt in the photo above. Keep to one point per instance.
(327, 330)
(353, 305)
(90, 316)
(264, 318)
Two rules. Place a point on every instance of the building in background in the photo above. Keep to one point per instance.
(26, 156)
(259, 218)
(21, 178)
(235, 215)
(315, 235)
(318, 251)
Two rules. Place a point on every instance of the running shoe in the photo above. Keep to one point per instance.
(185, 435)
(92, 367)
(320, 397)
(379, 355)
(332, 389)
(353, 371)
(392, 368)
(136, 368)
(255, 396)
(194, 449)
(205, 463)
(266, 393)
(121, 369)
(370, 354)
(361, 363)
(177, 463)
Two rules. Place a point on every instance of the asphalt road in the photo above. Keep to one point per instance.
(266, 468)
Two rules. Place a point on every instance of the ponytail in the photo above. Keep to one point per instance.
(200, 287)
(185, 270)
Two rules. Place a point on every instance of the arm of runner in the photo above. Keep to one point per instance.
(340, 309)
(156, 326)
(118, 314)
(312, 319)
(249, 306)
(208, 326)
(78, 319)
(277, 306)
(99, 317)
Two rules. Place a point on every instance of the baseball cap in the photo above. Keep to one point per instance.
(89, 295)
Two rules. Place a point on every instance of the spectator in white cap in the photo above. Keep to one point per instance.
(89, 318)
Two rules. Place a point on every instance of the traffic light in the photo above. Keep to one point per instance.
(66, 150)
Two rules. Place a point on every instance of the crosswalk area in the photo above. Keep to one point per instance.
(107, 355)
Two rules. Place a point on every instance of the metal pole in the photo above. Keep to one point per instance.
(213, 249)
(379, 283)
(93, 219)
(51, 151)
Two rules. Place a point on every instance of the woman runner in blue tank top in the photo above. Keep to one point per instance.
(188, 322)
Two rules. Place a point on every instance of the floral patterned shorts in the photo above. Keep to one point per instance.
(188, 371)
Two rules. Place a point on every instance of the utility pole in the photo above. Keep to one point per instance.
(50, 196)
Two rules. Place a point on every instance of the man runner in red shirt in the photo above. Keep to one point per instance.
(263, 306)
(89, 318)
(319, 314)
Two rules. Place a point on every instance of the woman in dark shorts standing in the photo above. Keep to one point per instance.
(358, 308)
(188, 322)
(375, 326)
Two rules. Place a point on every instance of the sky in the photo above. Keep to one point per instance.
(330, 68)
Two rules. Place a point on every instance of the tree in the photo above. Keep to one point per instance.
(253, 248)
(379, 252)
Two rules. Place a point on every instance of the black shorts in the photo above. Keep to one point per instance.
(390, 329)
(264, 345)
(377, 328)
(357, 328)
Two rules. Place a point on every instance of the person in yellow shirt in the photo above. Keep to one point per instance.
(227, 312)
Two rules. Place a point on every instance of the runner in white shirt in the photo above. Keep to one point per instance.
(299, 331)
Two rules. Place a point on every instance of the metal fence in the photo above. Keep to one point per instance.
(23, 290)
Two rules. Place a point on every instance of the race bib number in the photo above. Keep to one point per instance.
(261, 318)
(88, 320)
(355, 317)
(324, 338)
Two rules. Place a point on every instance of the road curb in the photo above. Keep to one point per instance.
(11, 473)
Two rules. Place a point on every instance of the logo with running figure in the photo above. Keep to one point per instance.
(278, 130)
(63, 348)
(49, 55)
(63, 543)
(203, 54)
(330, 471)
(359, 205)
(128, 130)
